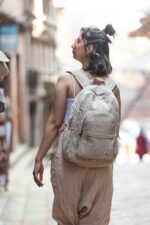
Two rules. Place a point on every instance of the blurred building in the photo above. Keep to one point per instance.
(144, 29)
(27, 36)
(139, 107)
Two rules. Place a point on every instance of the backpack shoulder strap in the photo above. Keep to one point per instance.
(81, 77)
(110, 83)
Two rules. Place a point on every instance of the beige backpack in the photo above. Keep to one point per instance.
(90, 138)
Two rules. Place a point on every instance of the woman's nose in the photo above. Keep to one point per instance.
(73, 45)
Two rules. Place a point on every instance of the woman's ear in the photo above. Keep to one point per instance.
(89, 49)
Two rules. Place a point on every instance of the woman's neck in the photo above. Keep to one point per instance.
(91, 76)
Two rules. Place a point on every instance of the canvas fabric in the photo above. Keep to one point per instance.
(90, 138)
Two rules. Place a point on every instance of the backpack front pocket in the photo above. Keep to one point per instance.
(94, 148)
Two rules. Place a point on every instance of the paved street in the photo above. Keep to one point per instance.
(131, 202)
(26, 204)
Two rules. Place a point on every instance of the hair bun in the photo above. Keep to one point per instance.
(109, 30)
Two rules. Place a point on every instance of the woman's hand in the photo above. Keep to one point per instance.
(38, 173)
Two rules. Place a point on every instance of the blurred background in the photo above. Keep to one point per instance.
(36, 36)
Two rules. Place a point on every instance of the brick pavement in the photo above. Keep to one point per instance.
(26, 204)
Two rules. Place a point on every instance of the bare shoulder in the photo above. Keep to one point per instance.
(116, 90)
(64, 77)
(63, 84)
(117, 95)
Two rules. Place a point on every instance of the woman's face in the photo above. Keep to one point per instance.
(78, 50)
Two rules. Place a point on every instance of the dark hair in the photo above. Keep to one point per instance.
(99, 62)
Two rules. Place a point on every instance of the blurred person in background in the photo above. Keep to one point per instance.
(3, 73)
(141, 144)
(4, 114)
(3, 100)
(3, 104)
(81, 195)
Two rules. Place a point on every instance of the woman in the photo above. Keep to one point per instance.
(81, 195)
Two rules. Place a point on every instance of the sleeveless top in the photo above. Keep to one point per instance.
(68, 109)
(69, 103)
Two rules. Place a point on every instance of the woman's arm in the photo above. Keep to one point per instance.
(52, 127)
